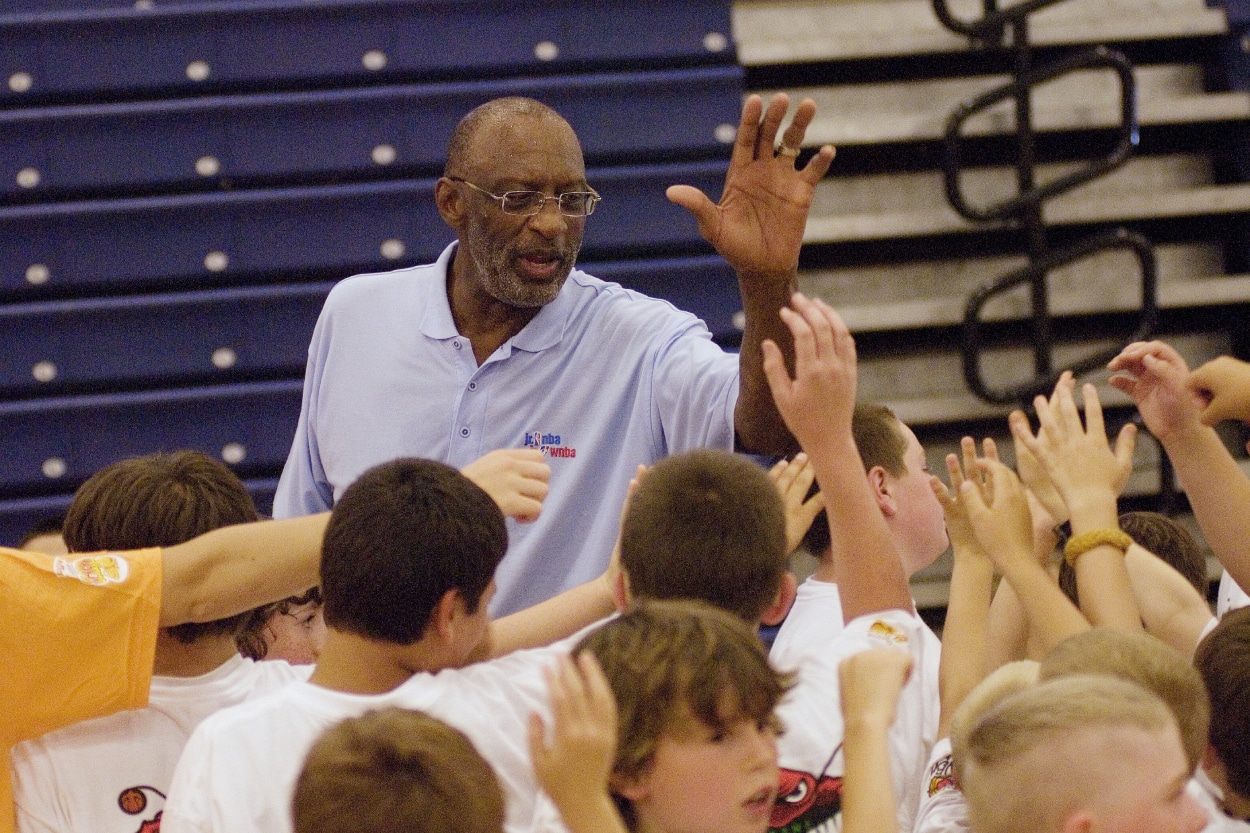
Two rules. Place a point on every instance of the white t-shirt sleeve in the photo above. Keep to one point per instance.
(942, 805)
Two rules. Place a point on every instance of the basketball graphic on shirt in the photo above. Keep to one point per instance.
(132, 801)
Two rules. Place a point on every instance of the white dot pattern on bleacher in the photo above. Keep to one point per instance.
(198, 70)
(383, 154)
(38, 273)
(21, 82)
(28, 177)
(715, 42)
(224, 358)
(54, 467)
(233, 453)
(374, 60)
(392, 249)
(44, 371)
(546, 51)
(725, 133)
(216, 261)
(207, 166)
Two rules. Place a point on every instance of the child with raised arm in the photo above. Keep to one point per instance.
(1175, 408)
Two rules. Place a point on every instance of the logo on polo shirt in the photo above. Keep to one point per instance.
(96, 570)
(549, 444)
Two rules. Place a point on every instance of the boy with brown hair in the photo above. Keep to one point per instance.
(112, 773)
(1223, 660)
(396, 769)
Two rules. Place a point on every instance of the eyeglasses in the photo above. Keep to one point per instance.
(529, 203)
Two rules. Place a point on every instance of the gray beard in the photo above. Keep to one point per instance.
(499, 281)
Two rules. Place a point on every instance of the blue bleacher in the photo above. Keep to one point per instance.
(64, 48)
(182, 183)
(157, 145)
(211, 238)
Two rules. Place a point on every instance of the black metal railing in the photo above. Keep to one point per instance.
(1009, 28)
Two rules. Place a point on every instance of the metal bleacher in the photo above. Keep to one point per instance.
(182, 183)
(886, 246)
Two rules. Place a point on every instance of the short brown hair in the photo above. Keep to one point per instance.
(1140, 658)
(706, 525)
(666, 659)
(402, 535)
(1163, 536)
(158, 501)
(396, 769)
(1223, 659)
(881, 443)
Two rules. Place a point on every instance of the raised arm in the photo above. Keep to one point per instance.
(1156, 377)
(574, 759)
(1088, 475)
(237, 568)
(999, 515)
(965, 636)
(870, 683)
(817, 405)
(1224, 385)
(758, 228)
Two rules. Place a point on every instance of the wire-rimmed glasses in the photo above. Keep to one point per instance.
(529, 203)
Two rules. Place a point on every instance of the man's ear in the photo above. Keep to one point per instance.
(776, 612)
(450, 202)
(620, 590)
(882, 490)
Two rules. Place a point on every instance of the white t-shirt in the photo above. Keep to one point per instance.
(816, 619)
(809, 751)
(239, 769)
(1208, 795)
(943, 808)
(1230, 597)
(111, 775)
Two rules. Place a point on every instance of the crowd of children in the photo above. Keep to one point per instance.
(645, 700)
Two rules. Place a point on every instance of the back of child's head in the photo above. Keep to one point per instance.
(44, 535)
(396, 770)
(881, 443)
(998, 685)
(251, 637)
(1049, 750)
(706, 525)
(158, 501)
(1223, 660)
(1146, 661)
(670, 662)
(1163, 536)
(401, 536)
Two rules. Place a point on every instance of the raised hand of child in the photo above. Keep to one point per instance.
(574, 764)
(1223, 384)
(794, 478)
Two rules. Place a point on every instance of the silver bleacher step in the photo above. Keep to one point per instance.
(795, 31)
(882, 206)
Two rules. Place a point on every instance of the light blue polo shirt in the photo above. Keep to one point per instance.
(602, 379)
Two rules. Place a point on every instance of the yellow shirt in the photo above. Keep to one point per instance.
(77, 641)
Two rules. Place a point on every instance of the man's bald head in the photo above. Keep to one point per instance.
(492, 114)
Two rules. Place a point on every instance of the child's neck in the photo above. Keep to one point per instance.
(358, 665)
(180, 659)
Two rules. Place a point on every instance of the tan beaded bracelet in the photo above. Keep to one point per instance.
(1080, 544)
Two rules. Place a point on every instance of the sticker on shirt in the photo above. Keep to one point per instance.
(887, 633)
(96, 570)
(806, 802)
(134, 801)
(941, 775)
(551, 445)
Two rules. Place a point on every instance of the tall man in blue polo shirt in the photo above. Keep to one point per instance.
(501, 343)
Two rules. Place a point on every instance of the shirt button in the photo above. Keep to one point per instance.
(464, 432)
(472, 385)
(456, 344)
